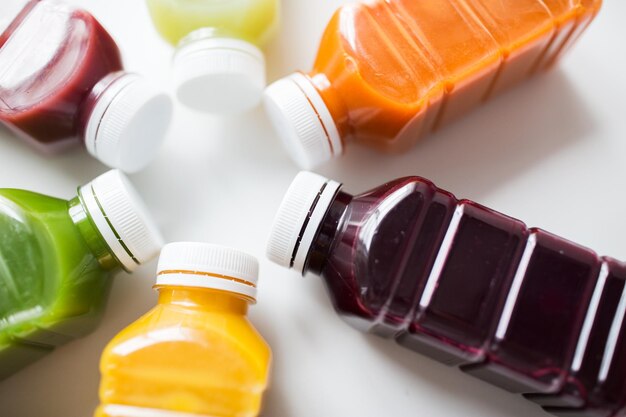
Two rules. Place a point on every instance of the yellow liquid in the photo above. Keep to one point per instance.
(195, 352)
(254, 21)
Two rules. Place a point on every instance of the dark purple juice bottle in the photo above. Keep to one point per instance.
(521, 308)
(62, 82)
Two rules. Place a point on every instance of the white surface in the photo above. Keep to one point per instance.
(551, 152)
(189, 264)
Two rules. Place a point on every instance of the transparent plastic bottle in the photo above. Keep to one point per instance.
(389, 71)
(57, 258)
(521, 308)
(62, 83)
(218, 65)
(195, 353)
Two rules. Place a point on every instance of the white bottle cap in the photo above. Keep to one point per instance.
(303, 121)
(202, 265)
(128, 123)
(219, 75)
(298, 219)
(122, 218)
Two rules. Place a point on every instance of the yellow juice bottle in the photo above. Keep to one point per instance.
(195, 354)
(218, 64)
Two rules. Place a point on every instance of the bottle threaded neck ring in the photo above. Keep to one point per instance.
(298, 219)
(202, 265)
(302, 120)
(121, 217)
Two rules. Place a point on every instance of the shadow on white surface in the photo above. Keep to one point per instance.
(450, 381)
(488, 147)
(73, 162)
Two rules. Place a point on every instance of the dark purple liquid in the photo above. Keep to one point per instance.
(471, 287)
(538, 346)
(593, 381)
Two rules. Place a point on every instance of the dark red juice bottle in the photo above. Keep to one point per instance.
(62, 82)
(521, 308)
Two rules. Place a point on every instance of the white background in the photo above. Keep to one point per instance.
(551, 152)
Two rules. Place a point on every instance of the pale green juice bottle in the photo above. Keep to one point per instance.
(218, 65)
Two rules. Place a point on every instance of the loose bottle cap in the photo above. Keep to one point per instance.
(300, 214)
(219, 75)
(303, 121)
(128, 123)
(122, 219)
(203, 265)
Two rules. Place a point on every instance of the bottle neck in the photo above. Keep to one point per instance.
(92, 236)
(203, 298)
(327, 232)
(334, 102)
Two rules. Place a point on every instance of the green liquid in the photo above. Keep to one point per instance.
(254, 21)
(54, 276)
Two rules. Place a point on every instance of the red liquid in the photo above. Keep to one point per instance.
(518, 307)
(51, 57)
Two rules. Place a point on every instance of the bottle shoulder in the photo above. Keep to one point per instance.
(351, 56)
(380, 228)
(189, 333)
(33, 201)
(44, 215)
(47, 221)
(25, 213)
(45, 266)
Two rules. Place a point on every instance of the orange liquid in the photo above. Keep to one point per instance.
(194, 353)
(391, 71)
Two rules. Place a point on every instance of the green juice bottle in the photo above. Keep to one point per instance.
(56, 262)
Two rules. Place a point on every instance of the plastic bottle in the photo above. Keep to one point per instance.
(218, 66)
(57, 259)
(389, 71)
(521, 308)
(195, 353)
(62, 83)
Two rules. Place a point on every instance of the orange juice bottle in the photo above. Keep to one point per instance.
(195, 354)
(389, 71)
